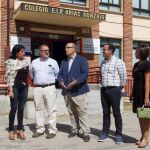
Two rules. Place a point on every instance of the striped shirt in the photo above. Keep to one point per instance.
(113, 72)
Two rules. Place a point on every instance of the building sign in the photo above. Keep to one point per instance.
(61, 11)
(25, 41)
(90, 45)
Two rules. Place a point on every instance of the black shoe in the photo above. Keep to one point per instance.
(36, 134)
(86, 137)
(73, 134)
(50, 135)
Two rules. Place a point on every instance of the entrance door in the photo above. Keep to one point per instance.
(58, 52)
(56, 42)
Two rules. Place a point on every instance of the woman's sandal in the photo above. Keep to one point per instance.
(143, 144)
(139, 141)
(11, 135)
(20, 135)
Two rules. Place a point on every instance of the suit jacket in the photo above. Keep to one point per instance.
(78, 71)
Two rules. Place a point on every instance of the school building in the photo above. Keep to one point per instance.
(89, 23)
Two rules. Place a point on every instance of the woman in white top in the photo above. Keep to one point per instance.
(16, 77)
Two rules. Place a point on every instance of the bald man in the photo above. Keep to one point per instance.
(72, 78)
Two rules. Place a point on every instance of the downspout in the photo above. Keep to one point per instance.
(8, 22)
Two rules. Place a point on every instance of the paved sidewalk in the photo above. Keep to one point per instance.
(61, 142)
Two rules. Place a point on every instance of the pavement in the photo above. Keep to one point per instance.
(131, 132)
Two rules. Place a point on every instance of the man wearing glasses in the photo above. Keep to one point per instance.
(43, 72)
(72, 78)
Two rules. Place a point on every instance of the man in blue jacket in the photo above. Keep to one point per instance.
(72, 78)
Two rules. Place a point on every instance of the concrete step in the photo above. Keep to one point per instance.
(92, 98)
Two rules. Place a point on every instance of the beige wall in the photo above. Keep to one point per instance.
(141, 29)
(112, 27)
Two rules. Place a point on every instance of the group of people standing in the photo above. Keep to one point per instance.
(72, 78)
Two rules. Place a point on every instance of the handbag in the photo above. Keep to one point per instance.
(143, 112)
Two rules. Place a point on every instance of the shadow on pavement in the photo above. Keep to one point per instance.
(61, 127)
(32, 127)
(126, 138)
(67, 128)
(64, 128)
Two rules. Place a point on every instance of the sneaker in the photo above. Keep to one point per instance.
(119, 140)
(103, 138)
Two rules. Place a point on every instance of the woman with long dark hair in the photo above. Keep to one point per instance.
(141, 90)
(16, 77)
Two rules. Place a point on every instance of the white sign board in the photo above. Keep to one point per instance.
(90, 45)
(25, 41)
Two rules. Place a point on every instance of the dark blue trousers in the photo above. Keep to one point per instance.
(110, 97)
(17, 104)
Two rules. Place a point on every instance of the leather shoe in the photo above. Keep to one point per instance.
(36, 134)
(86, 137)
(50, 135)
(73, 134)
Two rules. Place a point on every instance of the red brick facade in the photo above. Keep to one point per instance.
(14, 26)
(54, 3)
(93, 7)
(127, 32)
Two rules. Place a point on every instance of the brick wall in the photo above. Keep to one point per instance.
(127, 32)
(0, 30)
(14, 28)
(3, 36)
(54, 3)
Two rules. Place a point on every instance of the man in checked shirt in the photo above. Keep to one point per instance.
(114, 77)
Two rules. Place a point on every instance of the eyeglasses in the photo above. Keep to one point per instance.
(45, 50)
(67, 47)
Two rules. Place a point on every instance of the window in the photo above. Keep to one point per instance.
(141, 7)
(78, 2)
(112, 5)
(115, 42)
(135, 45)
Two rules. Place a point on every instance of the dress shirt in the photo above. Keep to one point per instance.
(71, 61)
(44, 71)
(113, 72)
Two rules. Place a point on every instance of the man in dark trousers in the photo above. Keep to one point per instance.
(114, 77)
(72, 78)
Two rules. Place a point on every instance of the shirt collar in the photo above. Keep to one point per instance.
(113, 57)
(73, 57)
(43, 59)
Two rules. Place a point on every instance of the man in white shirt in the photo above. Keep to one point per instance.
(114, 77)
(43, 72)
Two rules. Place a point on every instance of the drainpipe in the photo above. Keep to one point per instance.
(8, 21)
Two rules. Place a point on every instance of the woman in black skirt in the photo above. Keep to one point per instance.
(141, 90)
